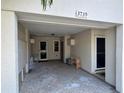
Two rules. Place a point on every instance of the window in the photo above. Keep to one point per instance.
(42, 45)
(56, 46)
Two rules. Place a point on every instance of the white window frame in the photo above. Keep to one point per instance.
(54, 46)
(46, 51)
(96, 52)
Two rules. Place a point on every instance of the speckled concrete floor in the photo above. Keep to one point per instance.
(57, 77)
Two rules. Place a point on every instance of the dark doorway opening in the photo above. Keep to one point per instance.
(100, 57)
(62, 50)
(100, 52)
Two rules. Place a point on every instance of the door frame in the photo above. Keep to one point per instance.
(46, 51)
(96, 52)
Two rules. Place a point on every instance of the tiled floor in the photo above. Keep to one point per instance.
(57, 77)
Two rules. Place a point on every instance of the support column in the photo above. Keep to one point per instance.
(119, 58)
(9, 49)
(22, 75)
(28, 57)
(66, 48)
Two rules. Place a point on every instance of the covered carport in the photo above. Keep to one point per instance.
(27, 19)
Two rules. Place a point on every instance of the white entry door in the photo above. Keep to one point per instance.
(43, 51)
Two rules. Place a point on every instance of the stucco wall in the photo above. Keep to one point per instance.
(23, 41)
(85, 49)
(119, 59)
(82, 49)
(9, 51)
(110, 62)
(50, 48)
(66, 48)
(98, 10)
(21, 47)
(23, 52)
(111, 56)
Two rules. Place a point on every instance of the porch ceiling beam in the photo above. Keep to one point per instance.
(38, 18)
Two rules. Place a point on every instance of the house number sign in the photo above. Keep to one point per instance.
(81, 14)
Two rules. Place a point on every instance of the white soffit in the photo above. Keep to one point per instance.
(48, 28)
(60, 25)
(62, 20)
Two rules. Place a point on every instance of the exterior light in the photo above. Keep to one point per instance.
(72, 42)
(32, 41)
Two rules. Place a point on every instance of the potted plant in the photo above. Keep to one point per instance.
(46, 3)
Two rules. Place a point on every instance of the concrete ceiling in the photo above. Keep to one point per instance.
(45, 24)
(49, 28)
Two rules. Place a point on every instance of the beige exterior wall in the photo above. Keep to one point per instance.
(9, 51)
(23, 50)
(111, 56)
(110, 62)
(50, 47)
(82, 49)
(67, 48)
(120, 59)
(103, 11)
(85, 50)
